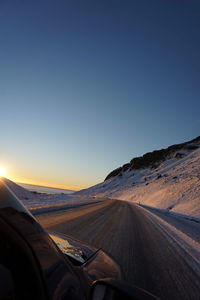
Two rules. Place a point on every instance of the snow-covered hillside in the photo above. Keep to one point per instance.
(40, 202)
(171, 181)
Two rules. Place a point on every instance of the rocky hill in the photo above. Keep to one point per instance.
(167, 179)
(153, 159)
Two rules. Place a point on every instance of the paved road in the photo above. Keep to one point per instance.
(148, 258)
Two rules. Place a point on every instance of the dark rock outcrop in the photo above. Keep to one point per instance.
(153, 159)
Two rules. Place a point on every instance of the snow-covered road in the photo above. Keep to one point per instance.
(159, 253)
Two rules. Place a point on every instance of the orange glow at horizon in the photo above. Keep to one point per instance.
(19, 173)
(45, 183)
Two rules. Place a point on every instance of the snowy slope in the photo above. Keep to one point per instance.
(174, 184)
(40, 202)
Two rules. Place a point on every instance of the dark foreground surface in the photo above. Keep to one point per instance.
(148, 257)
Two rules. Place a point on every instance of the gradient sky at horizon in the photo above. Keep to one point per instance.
(85, 86)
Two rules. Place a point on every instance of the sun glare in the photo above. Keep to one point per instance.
(2, 172)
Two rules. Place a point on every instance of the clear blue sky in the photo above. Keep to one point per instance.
(85, 86)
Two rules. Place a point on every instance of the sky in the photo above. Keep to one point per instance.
(85, 86)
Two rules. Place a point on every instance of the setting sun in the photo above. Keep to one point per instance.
(2, 172)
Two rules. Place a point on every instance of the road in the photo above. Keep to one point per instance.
(149, 257)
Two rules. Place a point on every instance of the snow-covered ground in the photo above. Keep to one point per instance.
(182, 235)
(41, 202)
(174, 185)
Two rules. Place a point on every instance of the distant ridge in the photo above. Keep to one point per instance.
(44, 189)
(153, 159)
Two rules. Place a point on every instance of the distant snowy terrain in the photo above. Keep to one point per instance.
(166, 179)
(44, 189)
(41, 202)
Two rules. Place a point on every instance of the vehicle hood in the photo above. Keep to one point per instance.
(96, 263)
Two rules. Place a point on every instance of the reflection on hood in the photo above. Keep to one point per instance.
(67, 248)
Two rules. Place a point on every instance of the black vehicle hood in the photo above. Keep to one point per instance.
(96, 263)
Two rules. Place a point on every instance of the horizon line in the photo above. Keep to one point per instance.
(46, 186)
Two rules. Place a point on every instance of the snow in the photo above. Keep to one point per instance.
(171, 201)
(174, 185)
(40, 202)
(181, 234)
